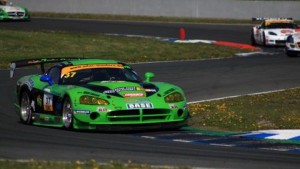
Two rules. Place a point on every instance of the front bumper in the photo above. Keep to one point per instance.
(275, 40)
(5, 16)
(292, 49)
(134, 127)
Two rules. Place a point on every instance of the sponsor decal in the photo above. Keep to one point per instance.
(142, 100)
(102, 109)
(39, 100)
(286, 31)
(134, 95)
(46, 119)
(69, 75)
(81, 112)
(139, 106)
(173, 106)
(33, 61)
(30, 84)
(150, 90)
(119, 89)
(48, 102)
(69, 69)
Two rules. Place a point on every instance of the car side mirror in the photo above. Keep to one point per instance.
(148, 76)
(47, 78)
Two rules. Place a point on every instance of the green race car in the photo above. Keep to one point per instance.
(96, 94)
(10, 12)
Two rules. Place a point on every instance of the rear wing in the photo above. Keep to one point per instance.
(30, 62)
(265, 18)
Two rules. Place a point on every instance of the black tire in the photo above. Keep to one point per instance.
(25, 108)
(290, 54)
(264, 39)
(253, 42)
(67, 114)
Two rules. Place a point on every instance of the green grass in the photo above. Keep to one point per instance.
(278, 110)
(16, 45)
(138, 18)
(91, 164)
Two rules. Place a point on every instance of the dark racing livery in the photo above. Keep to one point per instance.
(96, 94)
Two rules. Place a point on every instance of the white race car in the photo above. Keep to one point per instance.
(273, 31)
(8, 11)
(292, 46)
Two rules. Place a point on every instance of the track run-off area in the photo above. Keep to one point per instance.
(263, 71)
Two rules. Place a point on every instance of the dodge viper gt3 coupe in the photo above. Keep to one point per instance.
(95, 94)
(292, 46)
(273, 31)
(10, 12)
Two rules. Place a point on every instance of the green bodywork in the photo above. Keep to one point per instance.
(143, 104)
(8, 13)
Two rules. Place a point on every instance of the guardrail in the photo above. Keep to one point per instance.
(235, 9)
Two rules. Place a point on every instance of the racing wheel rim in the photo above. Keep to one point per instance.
(67, 114)
(25, 108)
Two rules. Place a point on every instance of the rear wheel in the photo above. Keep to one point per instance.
(253, 42)
(25, 108)
(67, 114)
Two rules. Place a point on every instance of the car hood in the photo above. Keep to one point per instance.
(12, 8)
(282, 32)
(123, 89)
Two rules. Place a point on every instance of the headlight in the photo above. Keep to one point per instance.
(272, 33)
(92, 100)
(290, 39)
(174, 97)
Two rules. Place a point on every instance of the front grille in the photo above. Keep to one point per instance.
(280, 41)
(138, 115)
(16, 14)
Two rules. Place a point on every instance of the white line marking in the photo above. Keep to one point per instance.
(148, 137)
(224, 145)
(234, 96)
(182, 141)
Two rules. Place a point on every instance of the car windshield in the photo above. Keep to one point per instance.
(84, 76)
(281, 26)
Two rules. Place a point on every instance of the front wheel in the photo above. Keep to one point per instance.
(264, 40)
(25, 108)
(67, 114)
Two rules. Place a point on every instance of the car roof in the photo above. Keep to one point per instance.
(278, 21)
(90, 61)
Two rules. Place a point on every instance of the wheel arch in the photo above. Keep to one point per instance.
(24, 88)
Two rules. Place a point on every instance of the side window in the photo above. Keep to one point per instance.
(54, 73)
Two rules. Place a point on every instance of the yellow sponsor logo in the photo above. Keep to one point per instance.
(67, 70)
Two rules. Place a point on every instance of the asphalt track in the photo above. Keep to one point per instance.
(200, 79)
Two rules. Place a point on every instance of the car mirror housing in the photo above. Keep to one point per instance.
(47, 78)
(148, 76)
